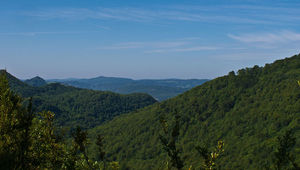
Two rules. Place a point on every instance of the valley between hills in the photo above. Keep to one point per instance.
(248, 110)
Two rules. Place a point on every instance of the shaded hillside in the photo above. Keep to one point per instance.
(159, 89)
(36, 82)
(247, 111)
(75, 106)
(17, 85)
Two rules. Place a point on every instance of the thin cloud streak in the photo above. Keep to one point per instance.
(181, 45)
(123, 14)
(258, 14)
(200, 48)
(274, 8)
(280, 37)
(129, 45)
(161, 47)
(135, 45)
(187, 49)
(38, 33)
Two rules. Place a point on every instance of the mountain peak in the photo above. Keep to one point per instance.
(36, 81)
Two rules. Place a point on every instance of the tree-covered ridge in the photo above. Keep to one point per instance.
(17, 85)
(74, 106)
(89, 108)
(247, 110)
(159, 89)
(29, 140)
(36, 81)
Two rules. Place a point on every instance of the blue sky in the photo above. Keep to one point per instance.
(144, 39)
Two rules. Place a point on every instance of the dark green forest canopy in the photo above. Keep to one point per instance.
(29, 140)
(74, 106)
(247, 110)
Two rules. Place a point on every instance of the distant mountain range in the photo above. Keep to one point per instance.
(75, 106)
(160, 89)
(248, 110)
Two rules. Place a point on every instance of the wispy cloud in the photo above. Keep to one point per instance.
(162, 46)
(135, 45)
(185, 49)
(198, 48)
(216, 14)
(120, 46)
(139, 15)
(246, 8)
(38, 33)
(98, 13)
(279, 37)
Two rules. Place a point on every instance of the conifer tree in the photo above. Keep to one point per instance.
(283, 155)
(169, 142)
(15, 123)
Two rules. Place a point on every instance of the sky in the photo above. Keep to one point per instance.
(138, 39)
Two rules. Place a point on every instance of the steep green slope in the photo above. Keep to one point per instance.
(88, 108)
(159, 89)
(74, 106)
(36, 82)
(17, 85)
(247, 111)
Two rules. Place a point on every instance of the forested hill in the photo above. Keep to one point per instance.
(74, 106)
(159, 89)
(247, 110)
(36, 81)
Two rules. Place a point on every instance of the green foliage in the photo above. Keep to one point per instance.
(169, 140)
(28, 140)
(283, 155)
(79, 107)
(99, 143)
(46, 150)
(248, 110)
(80, 141)
(89, 108)
(15, 121)
(211, 157)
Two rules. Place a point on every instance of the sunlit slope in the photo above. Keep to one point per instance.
(247, 110)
